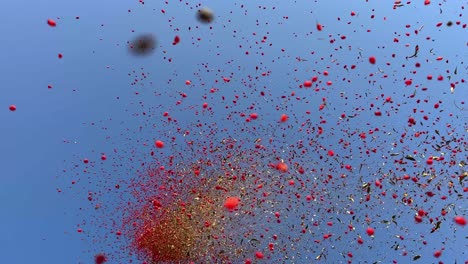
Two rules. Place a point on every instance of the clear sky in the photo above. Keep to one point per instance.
(102, 100)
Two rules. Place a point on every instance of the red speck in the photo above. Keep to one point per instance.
(460, 220)
(231, 203)
(176, 40)
(60, 55)
(85, 161)
(360, 241)
(370, 231)
(331, 153)
(319, 27)
(372, 60)
(51, 22)
(427, 2)
(103, 157)
(418, 219)
(159, 144)
(259, 255)
(284, 118)
(307, 84)
(281, 166)
(100, 258)
(254, 116)
(438, 253)
(12, 108)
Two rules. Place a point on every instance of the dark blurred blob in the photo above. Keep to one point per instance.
(449, 24)
(205, 15)
(143, 45)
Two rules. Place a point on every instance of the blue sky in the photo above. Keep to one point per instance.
(93, 108)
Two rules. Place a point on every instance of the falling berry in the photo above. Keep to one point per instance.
(231, 203)
(372, 60)
(281, 166)
(159, 144)
(259, 255)
(12, 108)
(176, 40)
(370, 231)
(284, 118)
(254, 116)
(51, 22)
(460, 220)
(319, 27)
(100, 258)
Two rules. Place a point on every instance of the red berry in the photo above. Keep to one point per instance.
(100, 258)
(159, 144)
(370, 231)
(51, 22)
(460, 220)
(231, 203)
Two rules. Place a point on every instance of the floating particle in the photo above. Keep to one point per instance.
(284, 118)
(460, 220)
(231, 203)
(159, 144)
(449, 24)
(143, 45)
(372, 60)
(205, 15)
(370, 231)
(100, 258)
(12, 108)
(319, 27)
(281, 166)
(51, 22)
(259, 255)
(176, 40)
